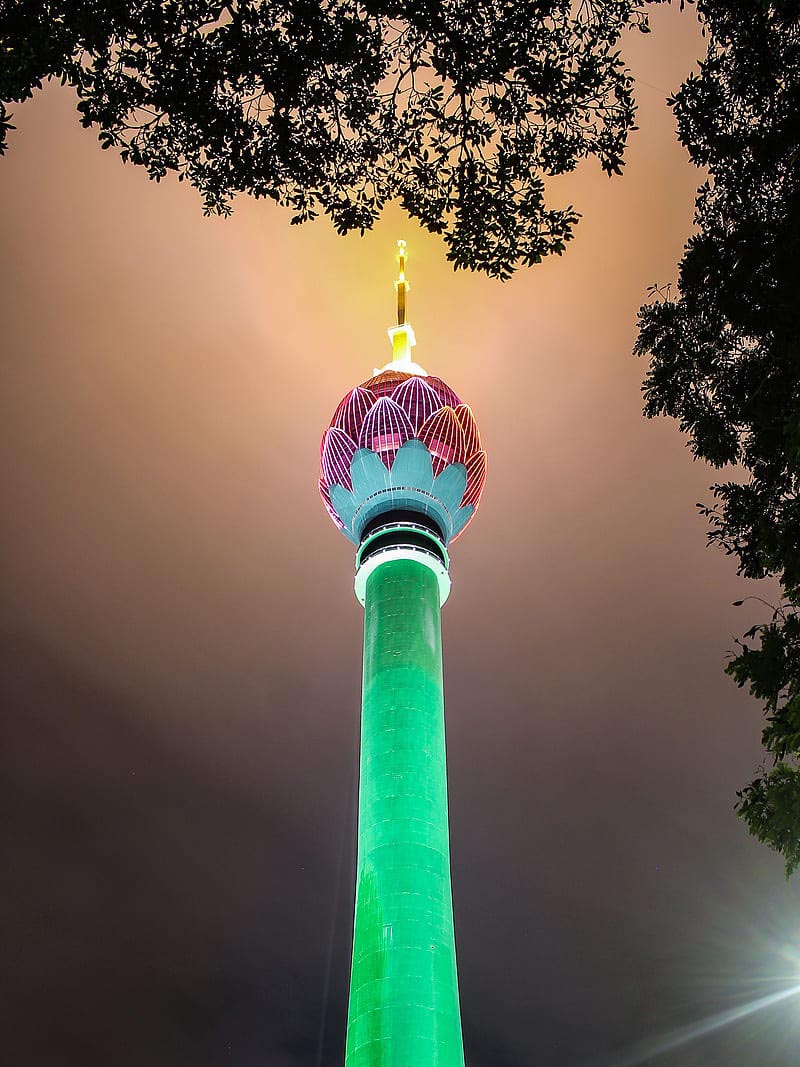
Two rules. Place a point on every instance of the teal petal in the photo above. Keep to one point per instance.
(368, 473)
(412, 467)
(450, 485)
(344, 506)
(461, 518)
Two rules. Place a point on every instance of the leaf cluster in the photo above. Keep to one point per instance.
(725, 350)
(771, 803)
(457, 109)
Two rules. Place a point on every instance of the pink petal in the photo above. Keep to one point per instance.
(443, 391)
(385, 383)
(417, 399)
(476, 476)
(472, 437)
(444, 438)
(352, 411)
(385, 429)
(337, 451)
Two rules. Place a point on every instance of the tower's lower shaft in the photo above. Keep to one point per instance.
(404, 1009)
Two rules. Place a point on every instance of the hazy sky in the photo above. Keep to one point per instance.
(181, 644)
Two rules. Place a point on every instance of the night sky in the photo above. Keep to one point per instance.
(181, 645)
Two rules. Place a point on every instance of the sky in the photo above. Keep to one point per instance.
(181, 645)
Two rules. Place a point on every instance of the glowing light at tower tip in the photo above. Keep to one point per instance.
(401, 285)
(402, 335)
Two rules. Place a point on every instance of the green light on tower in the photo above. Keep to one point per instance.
(402, 471)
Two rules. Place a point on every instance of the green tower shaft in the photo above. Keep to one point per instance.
(404, 1007)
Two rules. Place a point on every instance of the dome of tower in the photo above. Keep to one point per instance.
(402, 441)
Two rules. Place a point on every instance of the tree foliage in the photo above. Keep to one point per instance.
(460, 110)
(457, 109)
(725, 353)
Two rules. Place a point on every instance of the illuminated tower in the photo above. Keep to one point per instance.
(402, 471)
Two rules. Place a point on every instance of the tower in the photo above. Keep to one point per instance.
(402, 472)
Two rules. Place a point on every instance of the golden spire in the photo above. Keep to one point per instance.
(402, 335)
(401, 285)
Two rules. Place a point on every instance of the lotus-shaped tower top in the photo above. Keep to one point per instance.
(402, 443)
